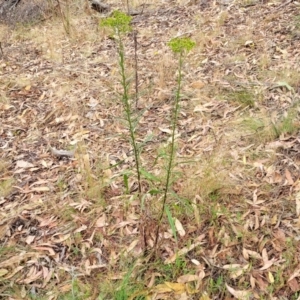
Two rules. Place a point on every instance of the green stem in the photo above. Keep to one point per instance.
(172, 151)
(128, 112)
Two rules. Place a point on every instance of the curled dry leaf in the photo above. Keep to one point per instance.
(179, 227)
(165, 130)
(268, 264)
(60, 238)
(241, 295)
(81, 228)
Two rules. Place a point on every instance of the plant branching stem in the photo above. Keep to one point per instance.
(128, 113)
(172, 150)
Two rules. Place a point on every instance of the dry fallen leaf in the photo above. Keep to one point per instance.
(165, 130)
(241, 295)
(288, 176)
(175, 287)
(294, 285)
(101, 222)
(30, 239)
(251, 253)
(294, 275)
(297, 198)
(182, 252)
(236, 270)
(24, 164)
(3, 272)
(204, 296)
(179, 227)
(82, 205)
(41, 189)
(62, 91)
(17, 259)
(197, 84)
(268, 264)
(187, 278)
(271, 277)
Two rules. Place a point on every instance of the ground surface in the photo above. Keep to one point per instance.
(71, 227)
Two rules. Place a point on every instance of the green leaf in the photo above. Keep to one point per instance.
(148, 175)
(171, 222)
(153, 192)
(125, 179)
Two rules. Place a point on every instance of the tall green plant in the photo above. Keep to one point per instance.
(120, 23)
(179, 46)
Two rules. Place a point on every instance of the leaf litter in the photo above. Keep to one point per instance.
(63, 143)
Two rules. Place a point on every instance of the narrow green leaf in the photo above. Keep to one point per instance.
(153, 192)
(171, 222)
(149, 176)
(125, 179)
